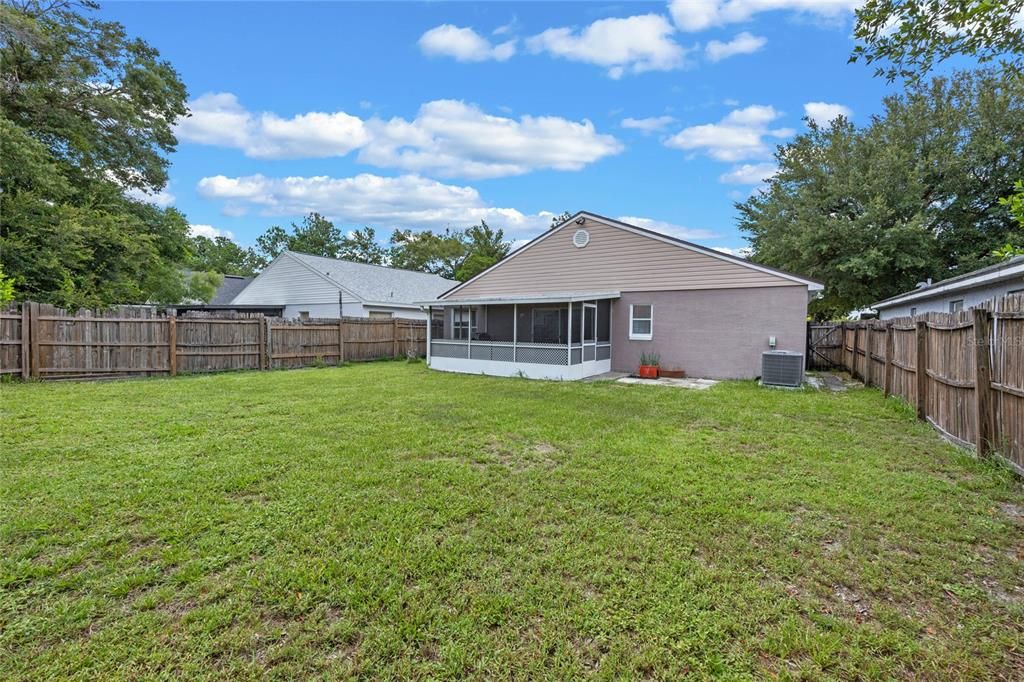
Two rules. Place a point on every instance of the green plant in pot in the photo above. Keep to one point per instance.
(649, 365)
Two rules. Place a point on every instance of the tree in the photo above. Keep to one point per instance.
(222, 255)
(86, 114)
(426, 251)
(913, 35)
(361, 246)
(454, 254)
(915, 194)
(6, 288)
(1015, 204)
(316, 235)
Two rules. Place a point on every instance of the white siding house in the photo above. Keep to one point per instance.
(317, 287)
(957, 293)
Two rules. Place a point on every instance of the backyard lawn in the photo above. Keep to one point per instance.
(386, 521)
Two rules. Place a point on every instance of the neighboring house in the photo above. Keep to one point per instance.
(957, 293)
(592, 294)
(313, 286)
(229, 288)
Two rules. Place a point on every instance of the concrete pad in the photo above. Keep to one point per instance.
(696, 384)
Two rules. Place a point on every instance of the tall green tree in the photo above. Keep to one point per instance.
(907, 38)
(361, 246)
(454, 254)
(222, 255)
(315, 235)
(915, 194)
(86, 114)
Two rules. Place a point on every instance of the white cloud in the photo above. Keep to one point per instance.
(452, 138)
(648, 125)
(464, 45)
(697, 15)
(219, 119)
(622, 45)
(749, 173)
(823, 113)
(208, 231)
(670, 229)
(743, 43)
(743, 252)
(162, 198)
(738, 136)
(447, 137)
(384, 202)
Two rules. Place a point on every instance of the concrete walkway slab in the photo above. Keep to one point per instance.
(696, 384)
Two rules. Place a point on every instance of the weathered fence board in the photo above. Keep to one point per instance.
(45, 342)
(963, 372)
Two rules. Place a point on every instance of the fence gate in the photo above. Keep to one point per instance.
(824, 345)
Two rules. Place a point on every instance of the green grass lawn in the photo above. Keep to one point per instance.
(386, 521)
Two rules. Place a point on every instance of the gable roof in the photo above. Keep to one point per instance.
(672, 241)
(229, 288)
(375, 284)
(1007, 269)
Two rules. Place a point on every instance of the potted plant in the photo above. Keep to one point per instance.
(649, 365)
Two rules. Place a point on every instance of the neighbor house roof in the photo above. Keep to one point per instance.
(1007, 269)
(811, 284)
(229, 288)
(376, 284)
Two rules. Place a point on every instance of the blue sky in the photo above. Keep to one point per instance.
(426, 115)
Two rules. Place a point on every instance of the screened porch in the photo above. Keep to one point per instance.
(568, 337)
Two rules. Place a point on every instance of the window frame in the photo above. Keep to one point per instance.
(633, 336)
(955, 302)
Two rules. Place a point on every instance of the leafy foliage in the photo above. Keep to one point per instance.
(915, 194)
(222, 255)
(455, 254)
(316, 235)
(6, 288)
(913, 35)
(361, 246)
(86, 113)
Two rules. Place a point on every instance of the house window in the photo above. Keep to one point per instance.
(913, 311)
(304, 315)
(379, 315)
(956, 306)
(464, 322)
(641, 322)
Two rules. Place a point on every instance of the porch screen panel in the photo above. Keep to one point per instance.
(543, 356)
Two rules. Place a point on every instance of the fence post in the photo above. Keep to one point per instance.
(172, 345)
(261, 342)
(394, 337)
(341, 341)
(985, 418)
(269, 342)
(26, 323)
(866, 366)
(890, 344)
(853, 360)
(921, 333)
(34, 338)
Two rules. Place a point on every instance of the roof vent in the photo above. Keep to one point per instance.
(580, 239)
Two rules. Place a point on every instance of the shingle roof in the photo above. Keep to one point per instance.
(377, 283)
(229, 288)
(1001, 270)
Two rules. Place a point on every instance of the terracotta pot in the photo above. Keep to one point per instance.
(648, 371)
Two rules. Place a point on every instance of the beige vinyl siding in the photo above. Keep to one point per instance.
(614, 260)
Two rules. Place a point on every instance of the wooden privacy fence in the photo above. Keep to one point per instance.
(963, 372)
(44, 342)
